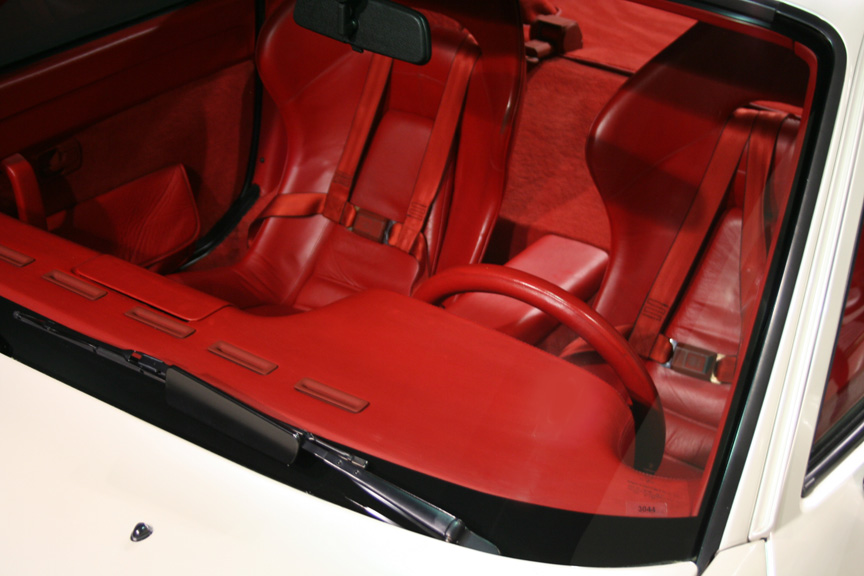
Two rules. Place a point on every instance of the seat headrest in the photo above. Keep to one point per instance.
(685, 94)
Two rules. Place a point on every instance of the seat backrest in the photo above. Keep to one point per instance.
(649, 147)
(718, 305)
(318, 95)
(315, 83)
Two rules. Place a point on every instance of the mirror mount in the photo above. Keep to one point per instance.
(380, 26)
(347, 21)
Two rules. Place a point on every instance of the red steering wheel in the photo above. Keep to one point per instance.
(585, 322)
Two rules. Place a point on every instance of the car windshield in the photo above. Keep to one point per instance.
(526, 281)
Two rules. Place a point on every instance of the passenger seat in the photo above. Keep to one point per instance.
(305, 253)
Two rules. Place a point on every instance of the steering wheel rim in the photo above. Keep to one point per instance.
(585, 322)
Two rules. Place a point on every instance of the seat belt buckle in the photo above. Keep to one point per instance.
(371, 226)
(696, 362)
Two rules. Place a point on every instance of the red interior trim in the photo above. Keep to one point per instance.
(243, 358)
(94, 81)
(160, 322)
(331, 395)
(14, 257)
(74, 285)
(152, 289)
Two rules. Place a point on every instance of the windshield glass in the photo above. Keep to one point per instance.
(519, 282)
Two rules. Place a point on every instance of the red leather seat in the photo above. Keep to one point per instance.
(719, 305)
(648, 152)
(300, 263)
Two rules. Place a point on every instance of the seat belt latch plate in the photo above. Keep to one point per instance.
(695, 362)
(371, 226)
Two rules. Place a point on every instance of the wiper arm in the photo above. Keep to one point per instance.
(432, 520)
(211, 406)
(143, 363)
(219, 410)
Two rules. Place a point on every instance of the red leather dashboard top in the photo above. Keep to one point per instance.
(445, 397)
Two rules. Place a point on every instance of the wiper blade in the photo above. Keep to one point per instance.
(143, 363)
(209, 405)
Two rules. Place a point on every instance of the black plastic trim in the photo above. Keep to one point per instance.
(761, 10)
(198, 399)
(840, 441)
(380, 26)
(758, 364)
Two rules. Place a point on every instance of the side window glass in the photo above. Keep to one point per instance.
(842, 411)
(30, 28)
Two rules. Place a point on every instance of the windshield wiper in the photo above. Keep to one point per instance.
(216, 409)
(203, 402)
(432, 520)
(143, 363)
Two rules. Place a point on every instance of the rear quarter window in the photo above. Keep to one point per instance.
(841, 417)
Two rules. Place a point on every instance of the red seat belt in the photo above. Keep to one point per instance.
(441, 142)
(753, 238)
(406, 236)
(332, 203)
(296, 204)
(358, 136)
(693, 231)
(705, 364)
(761, 129)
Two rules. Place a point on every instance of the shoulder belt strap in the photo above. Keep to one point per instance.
(332, 203)
(358, 136)
(721, 369)
(406, 235)
(441, 142)
(692, 233)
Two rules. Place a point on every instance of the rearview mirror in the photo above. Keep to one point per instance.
(379, 26)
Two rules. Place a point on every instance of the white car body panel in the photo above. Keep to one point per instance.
(821, 531)
(824, 537)
(745, 560)
(78, 475)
